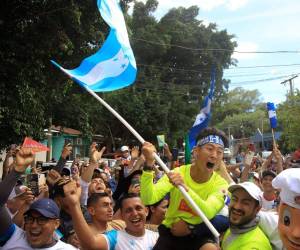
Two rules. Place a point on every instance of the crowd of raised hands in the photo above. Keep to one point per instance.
(89, 200)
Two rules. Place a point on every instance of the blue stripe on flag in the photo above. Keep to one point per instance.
(204, 115)
(113, 66)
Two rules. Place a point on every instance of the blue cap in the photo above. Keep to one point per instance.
(45, 207)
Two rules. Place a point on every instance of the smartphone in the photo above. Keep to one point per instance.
(249, 157)
(33, 183)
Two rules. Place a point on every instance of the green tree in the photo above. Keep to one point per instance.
(241, 112)
(288, 114)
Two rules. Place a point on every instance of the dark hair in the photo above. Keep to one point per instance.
(268, 173)
(167, 197)
(213, 131)
(127, 196)
(93, 199)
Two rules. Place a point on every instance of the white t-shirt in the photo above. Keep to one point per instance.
(18, 241)
(121, 240)
(268, 223)
(267, 205)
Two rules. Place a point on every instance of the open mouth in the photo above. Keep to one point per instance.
(136, 222)
(35, 234)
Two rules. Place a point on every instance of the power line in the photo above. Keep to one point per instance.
(216, 49)
(208, 71)
(264, 80)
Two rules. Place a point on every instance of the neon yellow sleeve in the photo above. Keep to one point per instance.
(215, 200)
(152, 193)
(211, 206)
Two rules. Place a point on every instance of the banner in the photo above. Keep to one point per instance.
(34, 145)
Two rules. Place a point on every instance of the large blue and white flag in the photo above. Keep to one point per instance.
(203, 117)
(272, 114)
(113, 66)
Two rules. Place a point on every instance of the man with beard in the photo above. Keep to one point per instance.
(200, 181)
(243, 232)
(133, 212)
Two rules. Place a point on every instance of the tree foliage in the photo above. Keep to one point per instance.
(170, 78)
(241, 112)
(289, 118)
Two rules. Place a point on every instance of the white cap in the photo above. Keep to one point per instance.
(252, 189)
(124, 148)
(288, 181)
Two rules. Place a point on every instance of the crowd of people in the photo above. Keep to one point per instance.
(252, 202)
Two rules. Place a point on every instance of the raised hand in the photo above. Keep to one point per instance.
(135, 152)
(148, 149)
(95, 155)
(24, 158)
(52, 177)
(72, 193)
(67, 150)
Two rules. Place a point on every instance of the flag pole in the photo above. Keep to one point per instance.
(160, 162)
(274, 141)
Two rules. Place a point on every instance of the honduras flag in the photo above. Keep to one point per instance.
(113, 66)
(272, 114)
(203, 117)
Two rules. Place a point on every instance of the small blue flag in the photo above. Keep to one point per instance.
(203, 117)
(113, 66)
(272, 114)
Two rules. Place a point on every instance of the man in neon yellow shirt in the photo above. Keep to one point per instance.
(203, 185)
(244, 233)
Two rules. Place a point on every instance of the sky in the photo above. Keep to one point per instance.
(258, 26)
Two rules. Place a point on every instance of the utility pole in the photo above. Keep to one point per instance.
(290, 80)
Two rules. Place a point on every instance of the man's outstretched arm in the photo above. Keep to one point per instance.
(85, 235)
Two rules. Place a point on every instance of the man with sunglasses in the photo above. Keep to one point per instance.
(40, 221)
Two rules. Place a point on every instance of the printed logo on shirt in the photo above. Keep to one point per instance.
(183, 206)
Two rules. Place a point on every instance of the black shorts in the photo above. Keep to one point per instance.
(167, 241)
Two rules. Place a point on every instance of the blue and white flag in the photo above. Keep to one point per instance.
(113, 66)
(203, 117)
(272, 114)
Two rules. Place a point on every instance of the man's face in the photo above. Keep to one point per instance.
(134, 214)
(209, 152)
(97, 186)
(266, 183)
(39, 233)
(125, 154)
(102, 210)
(242, 208)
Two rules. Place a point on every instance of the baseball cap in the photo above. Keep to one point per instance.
(252, 189)
(45, 207)
(288, 181)
(124, 148)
